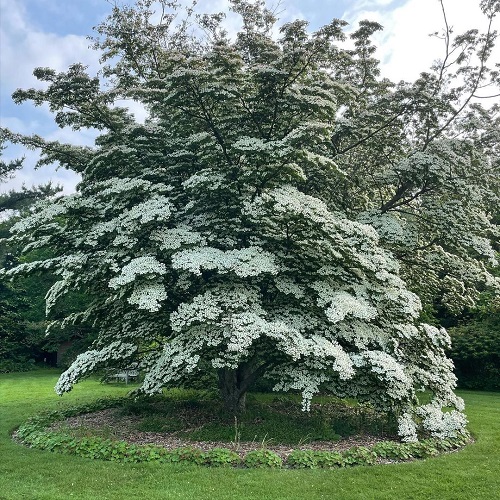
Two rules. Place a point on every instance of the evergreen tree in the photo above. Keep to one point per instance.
(21, 199)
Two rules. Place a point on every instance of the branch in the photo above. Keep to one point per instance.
(371, 134)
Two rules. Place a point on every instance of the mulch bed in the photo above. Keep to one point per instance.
(110, 424)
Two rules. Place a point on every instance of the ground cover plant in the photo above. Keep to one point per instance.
(473, 472)
(111, 429)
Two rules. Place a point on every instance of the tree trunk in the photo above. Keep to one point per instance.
(234, 384)
(233, 389)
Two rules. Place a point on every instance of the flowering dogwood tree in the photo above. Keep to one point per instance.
(263, 217)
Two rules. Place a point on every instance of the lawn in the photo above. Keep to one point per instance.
(472, 473)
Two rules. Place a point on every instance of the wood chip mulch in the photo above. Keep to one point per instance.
(121, 428)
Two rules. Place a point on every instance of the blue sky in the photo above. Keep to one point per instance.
(53, 33)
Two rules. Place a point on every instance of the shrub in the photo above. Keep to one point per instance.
(302, 459)
(10, 366)
(310, 459)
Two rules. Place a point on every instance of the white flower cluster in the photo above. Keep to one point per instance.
(438, 336)
(29, 267)
(148, 296)
(319, 160)
(362, 334)
(288, 338)
(251, 261)
(288, 286)
(302, 379)
(206, 178)
(210, 306)
(177, 358)
(342, 304)
(125, 241)
(43, 212)
(244, 328)
(172, 239)
(118, 185)
(322, 348)
(483, 247)
(98, 230)
(407, 331)
(290, 201)
(147, 265)
(255, 145)
(441, 424)
(390, 227)
(408, 302)
(407, 428)
(157, 207)
(54, 292)
(399, 384)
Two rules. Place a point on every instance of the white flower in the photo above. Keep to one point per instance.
(407, 429)
(147, 265)
(246, 262)
(148, 296)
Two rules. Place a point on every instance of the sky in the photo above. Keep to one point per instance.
(53, 33)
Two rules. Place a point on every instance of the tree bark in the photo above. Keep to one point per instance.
(234, 384)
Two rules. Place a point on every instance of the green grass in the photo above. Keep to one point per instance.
(473, 473)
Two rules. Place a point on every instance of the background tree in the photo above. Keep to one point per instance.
(22, 311)
(259, 219)
(21, 199)
(23, 323)
(476, 350)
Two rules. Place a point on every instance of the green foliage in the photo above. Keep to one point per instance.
(221, 457)
(394, 451)
(262, 459)
(359, 455)
(309, 459)
(16, 340)
(11, 366)
(476, 353)
(23, 322)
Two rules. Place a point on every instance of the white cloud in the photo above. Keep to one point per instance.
(405, 47)
(370, 4)
(136, 108)
(30, 177)
(24, 48)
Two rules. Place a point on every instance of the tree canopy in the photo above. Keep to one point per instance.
(283, 211)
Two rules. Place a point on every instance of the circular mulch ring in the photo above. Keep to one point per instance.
(110, 424)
